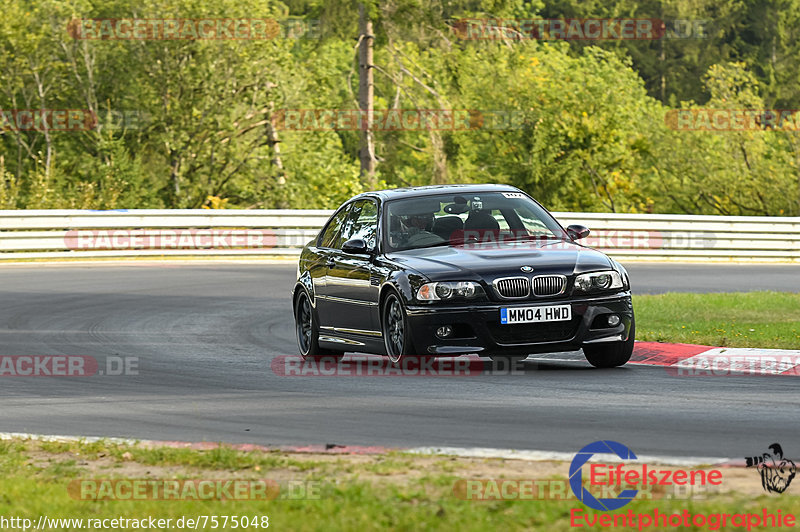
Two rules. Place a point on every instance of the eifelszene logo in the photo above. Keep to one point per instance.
(776, 471)
(618, 479)
(576, 475)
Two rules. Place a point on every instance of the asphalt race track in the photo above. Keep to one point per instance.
(204, 335)
(660, 278)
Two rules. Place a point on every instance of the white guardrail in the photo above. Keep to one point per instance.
(202, 232)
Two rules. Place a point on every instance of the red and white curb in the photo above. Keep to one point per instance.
(689, 360)
(465, 452)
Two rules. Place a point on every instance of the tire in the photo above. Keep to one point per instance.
(612, 354)
(395, 330)
(307, 329)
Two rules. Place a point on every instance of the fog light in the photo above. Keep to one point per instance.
(444, 332)
(613, 320)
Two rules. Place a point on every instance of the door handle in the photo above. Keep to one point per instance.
(330, 263)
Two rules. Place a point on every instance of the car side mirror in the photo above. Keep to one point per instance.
(355, 246)
(576, 232)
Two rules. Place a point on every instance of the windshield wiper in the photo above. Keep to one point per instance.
(531, 237)
(435, 244)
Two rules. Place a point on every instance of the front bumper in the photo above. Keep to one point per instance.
(478, 327)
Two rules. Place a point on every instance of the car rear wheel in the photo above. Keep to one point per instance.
(612, 354)
(307, 327)
(394, 326)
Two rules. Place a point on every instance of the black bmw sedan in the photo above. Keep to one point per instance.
(458, 269)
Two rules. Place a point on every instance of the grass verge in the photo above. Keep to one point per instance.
(751, 319)
(397, 491)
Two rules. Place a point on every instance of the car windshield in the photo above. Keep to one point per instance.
(454, 219)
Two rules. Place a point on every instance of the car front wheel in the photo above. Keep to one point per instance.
(612, 354)
(394, 326)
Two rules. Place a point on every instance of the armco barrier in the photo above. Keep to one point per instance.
(91, 234)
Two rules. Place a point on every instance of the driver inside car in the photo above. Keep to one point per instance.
(415, 230)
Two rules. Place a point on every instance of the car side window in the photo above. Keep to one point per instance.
(361, 223)
(332, 231)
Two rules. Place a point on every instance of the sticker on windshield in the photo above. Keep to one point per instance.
(513, 195)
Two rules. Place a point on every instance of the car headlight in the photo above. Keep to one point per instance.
(598, 281)
(449, 290)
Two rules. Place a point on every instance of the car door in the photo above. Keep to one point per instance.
(322, 261)
(352, 297)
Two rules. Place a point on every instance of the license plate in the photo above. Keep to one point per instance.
(535, 314)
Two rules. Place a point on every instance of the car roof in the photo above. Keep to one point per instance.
(430, 190)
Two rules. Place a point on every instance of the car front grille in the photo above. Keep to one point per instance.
(549, 285)
(523, 333)
(513, 287)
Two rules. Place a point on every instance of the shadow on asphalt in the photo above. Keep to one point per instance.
(524, 367)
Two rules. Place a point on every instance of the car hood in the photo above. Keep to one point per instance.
(489, 261)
